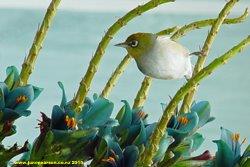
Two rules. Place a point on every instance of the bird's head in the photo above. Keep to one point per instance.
(138, 44)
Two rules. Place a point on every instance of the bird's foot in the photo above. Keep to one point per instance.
(187, 78)
(198, 53)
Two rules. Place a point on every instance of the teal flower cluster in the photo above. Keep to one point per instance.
(93, 135)
(14, 103)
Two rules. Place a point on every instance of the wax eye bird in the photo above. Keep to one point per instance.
(158, 56)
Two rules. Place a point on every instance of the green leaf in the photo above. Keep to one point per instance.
(183, 148)
(10, 114)
(141, 138)
(106, 145)
(102, 149)
(26, 155)
(1, 116)
(84, 133)
(3, 92)
(99, 113)
(198, 139)
(246, 163)
(124, 116)
(247, 152)
(224, 155)
(9, 81)
(74, 136)
(192, 163)
(245, 157)
(64, 98)
(95, 96)
(39, 151)
(203, 111)
(37, 91)
(149, 129)
(163, 146)
(131, 154)
(12, 76)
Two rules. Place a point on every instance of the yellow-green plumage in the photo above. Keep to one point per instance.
(158, 56)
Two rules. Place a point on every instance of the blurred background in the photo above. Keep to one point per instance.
(76, 31)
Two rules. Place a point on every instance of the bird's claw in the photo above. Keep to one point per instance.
(198, 53)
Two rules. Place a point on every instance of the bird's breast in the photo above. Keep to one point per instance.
(164, 62)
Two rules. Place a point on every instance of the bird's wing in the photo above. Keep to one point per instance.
(178, 48)
(173, 46)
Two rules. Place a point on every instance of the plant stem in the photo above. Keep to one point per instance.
(208, 22)
(143, 92)
(115, 76)
(205, 50)
(83, 89)
(161, 126)
(180, 33)
(29, 62)
(148, 154)
(168, 31)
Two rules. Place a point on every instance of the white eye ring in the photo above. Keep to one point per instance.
(134, 43)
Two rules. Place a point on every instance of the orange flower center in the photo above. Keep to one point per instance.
(183, 120)
(21, 99)
(70, 122)
(109, 160)
(235, 137)
(142, 114)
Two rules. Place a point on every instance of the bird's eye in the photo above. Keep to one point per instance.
(133, 43)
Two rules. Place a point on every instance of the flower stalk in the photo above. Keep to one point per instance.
(29, 62)
(143, 92)
(85, 83)
(115, 76)
(146, 158)
(206, 48)
(208, 22)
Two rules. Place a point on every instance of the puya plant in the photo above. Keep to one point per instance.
(82, 129)
(16, 95)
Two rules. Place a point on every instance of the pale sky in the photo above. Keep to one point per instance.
(180, 6)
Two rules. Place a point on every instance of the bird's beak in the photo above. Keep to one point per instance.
(123, 45)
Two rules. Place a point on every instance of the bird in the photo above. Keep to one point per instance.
(158, 56)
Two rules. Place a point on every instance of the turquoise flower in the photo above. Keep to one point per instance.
(229, 150)
(73, 130)
(127, 158)
(133, 129)
(14, 101)
(63, 117)
(110, 154)
(94, 113)
(61, 144)
(202, 109)
(183, 125)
